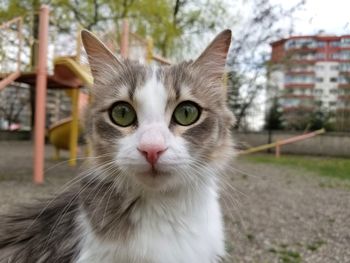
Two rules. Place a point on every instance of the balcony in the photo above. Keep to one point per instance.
(299, 85)
(345, 73)
(344, 97)
(344, 85)
(341, 55)
(301, 57)
(301, 72)
(343, 109)
(289, 109)
(301, 43)
(297, 96)
(302, 48)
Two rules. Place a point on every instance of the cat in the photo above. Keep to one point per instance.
(160, 138)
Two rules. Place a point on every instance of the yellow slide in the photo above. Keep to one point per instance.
(60, 133)
(82, 72)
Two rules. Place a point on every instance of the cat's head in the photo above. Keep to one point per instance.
(159, 127)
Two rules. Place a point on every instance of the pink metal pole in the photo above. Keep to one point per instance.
(10, 78)
(40, 105)
(278, 150)
(124, 42)
(302, 137)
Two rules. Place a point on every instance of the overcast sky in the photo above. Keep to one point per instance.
(333, 17)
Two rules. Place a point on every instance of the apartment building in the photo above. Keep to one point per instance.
(309, 73)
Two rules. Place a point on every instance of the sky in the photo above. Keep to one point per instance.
(332, 17)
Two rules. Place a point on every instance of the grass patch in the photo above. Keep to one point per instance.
(286, 256)
(331, 167)
(315, 245)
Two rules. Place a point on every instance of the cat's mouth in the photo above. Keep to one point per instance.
(155, 172)
(154, 178)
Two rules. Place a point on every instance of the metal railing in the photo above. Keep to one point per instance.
(277, 145)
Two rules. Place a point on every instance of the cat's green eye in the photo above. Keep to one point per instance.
(186, 113)
(122, 114)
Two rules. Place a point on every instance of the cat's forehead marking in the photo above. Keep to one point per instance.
(178, 81)
(136, 75)
(151, 98)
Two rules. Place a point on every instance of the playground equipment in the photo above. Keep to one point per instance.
(7, 77)
(60, 133)
(40, 103)
(277, 145)
(64, 134)
(68, 74)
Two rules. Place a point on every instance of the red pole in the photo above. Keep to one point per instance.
(278, 149)
(124, 42)
(40, 104)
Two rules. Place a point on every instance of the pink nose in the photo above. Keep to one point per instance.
(152, 152)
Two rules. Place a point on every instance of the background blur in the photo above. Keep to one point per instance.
(288, 84)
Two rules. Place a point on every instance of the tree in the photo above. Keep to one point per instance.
(171, 24)
(248, 57)
(274, 119)
(321, 118)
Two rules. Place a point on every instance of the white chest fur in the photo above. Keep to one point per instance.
(189, 230)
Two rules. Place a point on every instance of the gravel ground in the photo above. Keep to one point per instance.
(272, 213)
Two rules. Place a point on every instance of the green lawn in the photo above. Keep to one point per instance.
(331, 167)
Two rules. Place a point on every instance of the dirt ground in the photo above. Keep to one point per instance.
(272, 213)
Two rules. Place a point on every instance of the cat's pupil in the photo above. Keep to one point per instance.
(186, 113)
(123, 112)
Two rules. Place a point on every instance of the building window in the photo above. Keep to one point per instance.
(321, 44)
(333, 79)
(307, 91)
(300, 43)
(320, 56)
(345, 42)
(299, 79)
(344, 79)
(291, 102)
(299, 68)
(344, 92)
(333, 91)
(318, 91)
(345, 55)
(335, 55)
(334, 67)
(344, 67)
(303, 56)
(319, 79)
(335, 43)
(332, 103)
(319, 67)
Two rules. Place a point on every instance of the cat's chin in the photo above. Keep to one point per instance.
(154, 179)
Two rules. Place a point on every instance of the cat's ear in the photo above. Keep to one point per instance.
(99, 55)
(213, 58)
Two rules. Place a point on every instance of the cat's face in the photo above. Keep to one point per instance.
(159, 127)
